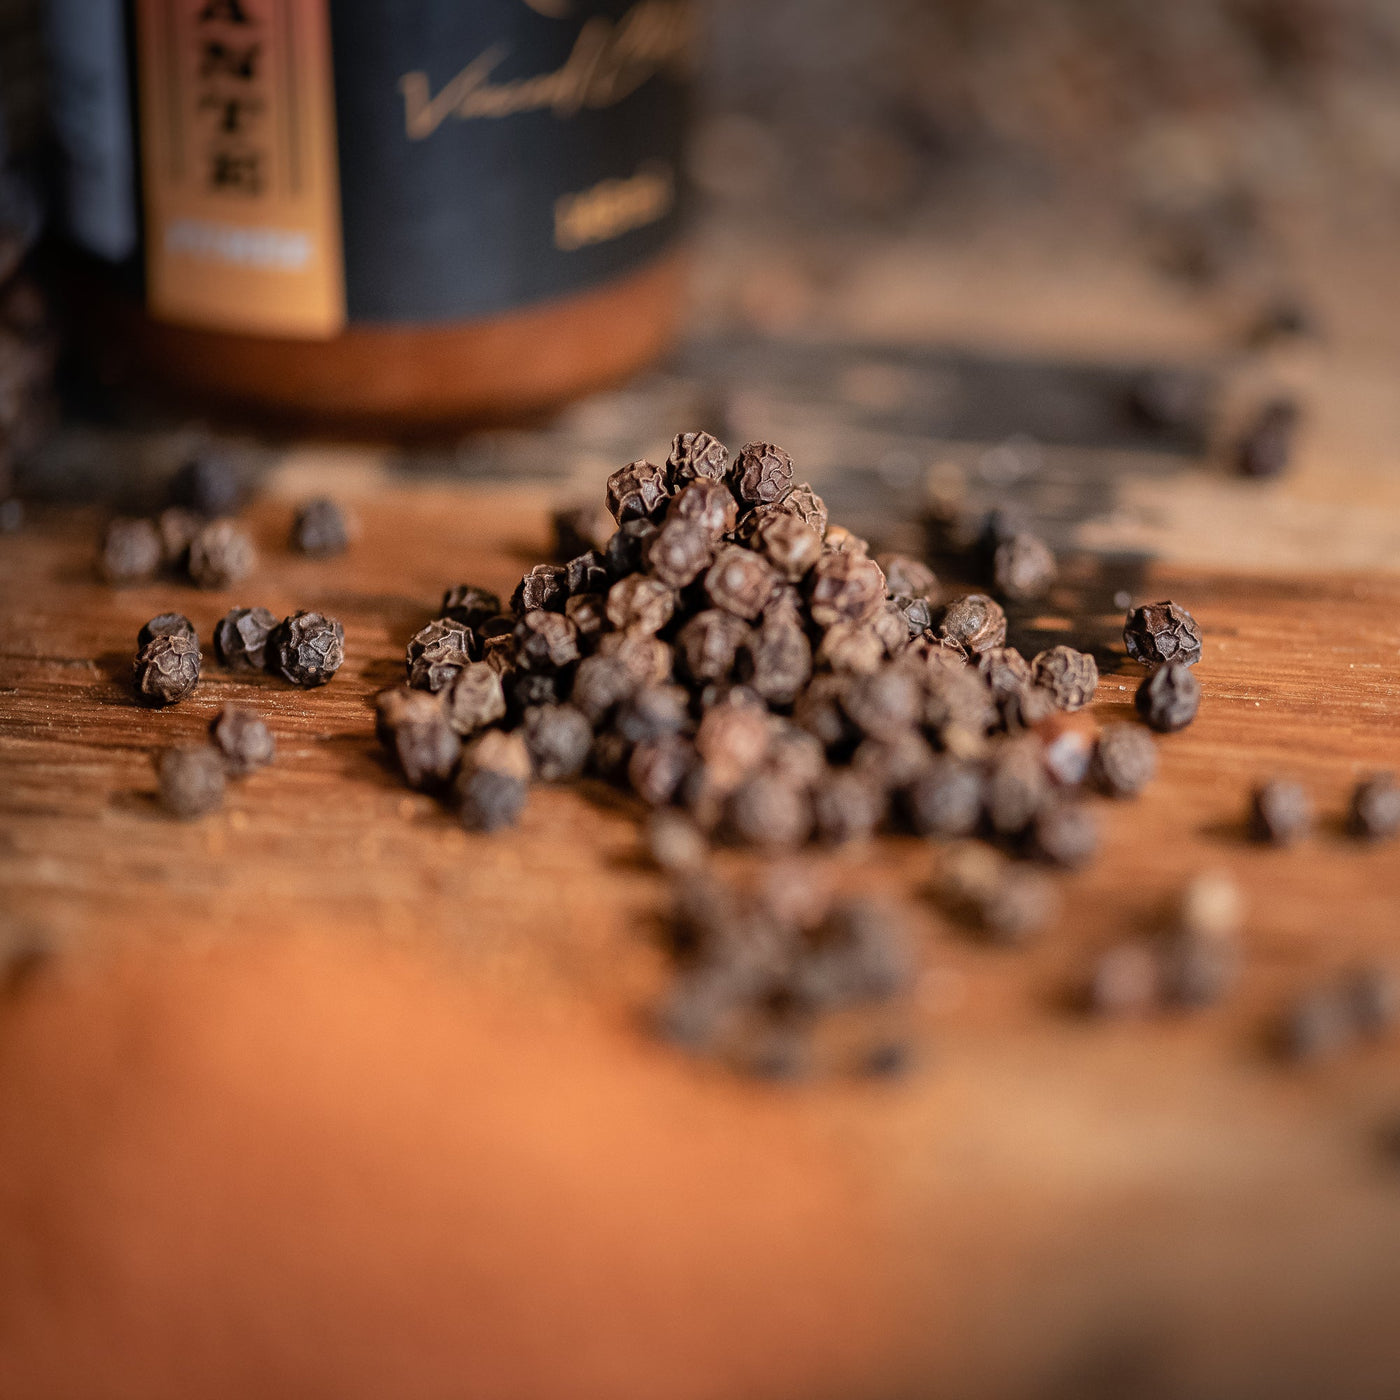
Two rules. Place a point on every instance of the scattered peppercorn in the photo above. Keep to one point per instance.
(1024, 568)
(1065, 833)
(240, 639)
(167, 670)
(558, 738)
(1125, 760)
(697, 456)
(1169, 698)
(1157, 633)
(307, 648)
(638, 491)
(320, 528)
(221, 554)
(975, 622)
(191, 780)
(166, 625)
(1265, 448)
(131, 551)
(208, 484)
(763, 474)
(243, 738)
(177, 528)
(1374, 813)
(1070, 676)
(427, 749)
(1280, 812)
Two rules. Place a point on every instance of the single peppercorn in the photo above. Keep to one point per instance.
(1016, 786)
(1024, 568)
(958, 705)
(808, 507)
(640, 602)
(740, 582)
(907, 577)
(767, 814)
(545, 641)
(243, 738)
(1265, 448)
(884, 704)
(709, 504)
(1065, 833)
(708, 645)
(177, 527)
(1070, 676)
(166, 625)
(1374, 813)
(1005, 671)
(732, 740)
(488, 801)
(601, 683)
(844, 587)
(400, 705)
(307, 648)
(776, 661)
(1169, 698)
(1161, 632)
(458, 636)
(558, 738)
(763, 474)
(1069, 742)
(319, 527)
(976, 622)
(847, 806)
(589, 614)
(789, 546)
(427, 750)
(945, 800)
(167, 670)
(544, 589)
(697, 456)
(653, 712)
(1280, 812)
(191, 780)
(679, 552)
(1125, 760)
(221, 554)
(240, 639)
(674, 843)
(131, 551)
(626, 546)
(437, 663)
(638, 491)
(473, 698)
(208, 484)
(915, 615)
(644, 654)
(851, 648)
(586, 575)
(471, 606)
(656, 768)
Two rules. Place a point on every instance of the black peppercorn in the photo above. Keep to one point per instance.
(768, 814)
(427, 750)
(589, 614)
(763, 474)
(709, 504)
(851, 648)
(958, 706)
(243, 738)
(319, 527)
(1374, 813)
(679, 552)
(1016, 786)
(1070, 676)
(908, 578)
(896, 762)
(740, 582)
(1169, 698)
(473, 698)
(457, 635)
(708, 645)
(638, 491)
(645, 655)
(733, 742)
(640, 602)
(1065, 833)
(207, 484)
(489, 801)
(400, 705)
(1024, 568)
(944, 800)
(1265, 448)
(131, 551)
(166, 625)
(585, 575)
(1280, 812)
(653, 712)
(1160, 632)
(1125, 760)
(177, 527)
(545, 588)
(471, 606)
(789, 545)
(859, 952)
(437, 663)
(545, 641)
(847, 806)
(191, 780)
(656, 768)
(307, 648)
(240, 639)
(776, 661)
(167, 670)
(697, 456)
(845, 588)
(221, 554)
(624, 549)
(808, 507)
(975, 622)
(885, 703)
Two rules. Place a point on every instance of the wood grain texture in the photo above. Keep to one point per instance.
(1064, 1208)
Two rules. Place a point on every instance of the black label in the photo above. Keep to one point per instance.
(498, 152)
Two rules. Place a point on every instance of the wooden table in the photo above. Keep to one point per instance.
(349, 1100)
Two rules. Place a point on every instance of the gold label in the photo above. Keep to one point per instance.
(239, 165)
(614, 207)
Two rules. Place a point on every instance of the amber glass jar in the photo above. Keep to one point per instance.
(389, 214)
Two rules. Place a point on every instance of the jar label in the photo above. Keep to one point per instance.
(305, 166)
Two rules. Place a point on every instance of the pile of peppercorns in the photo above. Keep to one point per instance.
(755, 677)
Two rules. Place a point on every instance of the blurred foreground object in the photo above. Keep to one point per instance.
(434, 213)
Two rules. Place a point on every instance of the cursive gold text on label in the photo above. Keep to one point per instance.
(614, 207)
(609, 61)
